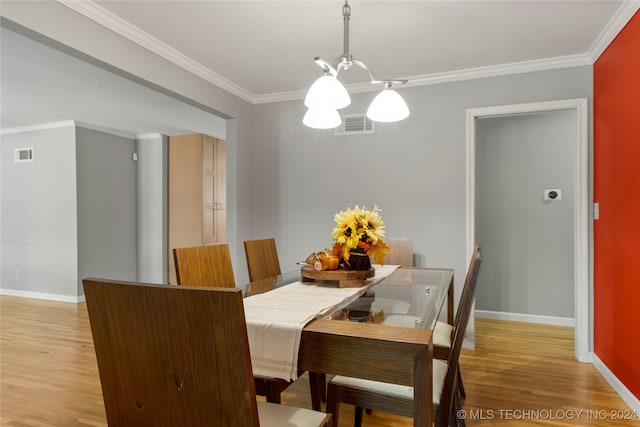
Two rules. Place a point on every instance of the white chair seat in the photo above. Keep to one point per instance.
(275, 415)
(396, 390)
(442, 334)
(390, 305)
(403, 320)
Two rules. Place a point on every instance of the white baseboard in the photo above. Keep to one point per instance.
(528, 318)
(42, 295)
(618, 386)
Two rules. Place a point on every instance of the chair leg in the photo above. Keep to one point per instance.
(333, 407)
(357, 417)
(273, 393)
(454, 420)
(318, 385)
(323, 387)
(270, 388)
(463, 394)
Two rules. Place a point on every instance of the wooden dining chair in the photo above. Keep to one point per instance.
(262, 259)
(211, 266)
(398, 399)
(178, 356)
(401, 251)
(443, 331)
(264, 266)
(208, 265)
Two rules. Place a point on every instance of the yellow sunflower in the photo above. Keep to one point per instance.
(362, 228)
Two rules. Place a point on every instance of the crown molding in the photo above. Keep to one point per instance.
(64, 124)
(118, 25)
(449, 76)
(38, 127)
(615, 25)
(500, 70)
(103, 17)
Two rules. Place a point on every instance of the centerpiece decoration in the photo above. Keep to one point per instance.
(358, 235)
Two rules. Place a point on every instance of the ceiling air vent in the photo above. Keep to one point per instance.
(355, 124)
(23, 155)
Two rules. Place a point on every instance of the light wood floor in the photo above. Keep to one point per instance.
(49, 375)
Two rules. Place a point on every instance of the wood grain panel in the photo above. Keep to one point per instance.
(262, 259)
(204, 266)
(160, 364)
(375, 352)
(401, 251)
(197, 193)
(185, 195)
(220, 214)
(208, 190)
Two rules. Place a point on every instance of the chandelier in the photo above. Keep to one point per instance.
(327, 95)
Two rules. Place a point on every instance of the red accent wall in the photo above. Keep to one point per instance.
(617, 190)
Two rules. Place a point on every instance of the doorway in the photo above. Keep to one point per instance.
(578, 220)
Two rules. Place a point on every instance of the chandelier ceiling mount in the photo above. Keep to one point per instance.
(327, 94)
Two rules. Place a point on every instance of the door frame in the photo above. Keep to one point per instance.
(581, 242)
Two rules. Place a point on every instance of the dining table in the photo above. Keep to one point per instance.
(381, 330)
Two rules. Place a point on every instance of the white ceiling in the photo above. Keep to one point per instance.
(263, 50)
(267, 47)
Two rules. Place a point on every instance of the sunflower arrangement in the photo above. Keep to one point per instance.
(359, 231)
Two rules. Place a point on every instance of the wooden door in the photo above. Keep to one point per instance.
(197, 193)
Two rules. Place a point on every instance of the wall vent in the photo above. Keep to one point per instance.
(355, 124)
(23, 155)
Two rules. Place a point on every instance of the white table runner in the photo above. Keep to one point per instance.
(275, 320)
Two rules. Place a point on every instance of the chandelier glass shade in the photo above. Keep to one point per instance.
(388, 106)
(327, 94)
(322, 118)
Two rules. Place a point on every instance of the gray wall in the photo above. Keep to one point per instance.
(282, 177)
(106, 192)
(151, 203)
(69, 214)
(38, 221)
(99, 45)
(527, 243)
(415, 169)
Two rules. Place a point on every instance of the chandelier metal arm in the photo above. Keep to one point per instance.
(346, 15)
(327, 94)
(327, 67)
(345, 61)
(375, 81)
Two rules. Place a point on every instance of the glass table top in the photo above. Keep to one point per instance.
(408, 297)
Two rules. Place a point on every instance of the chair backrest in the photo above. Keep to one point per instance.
(451, 380)
(161, 363)
(204, 266)
(466, 286)
(262, 259)
(401, 251)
